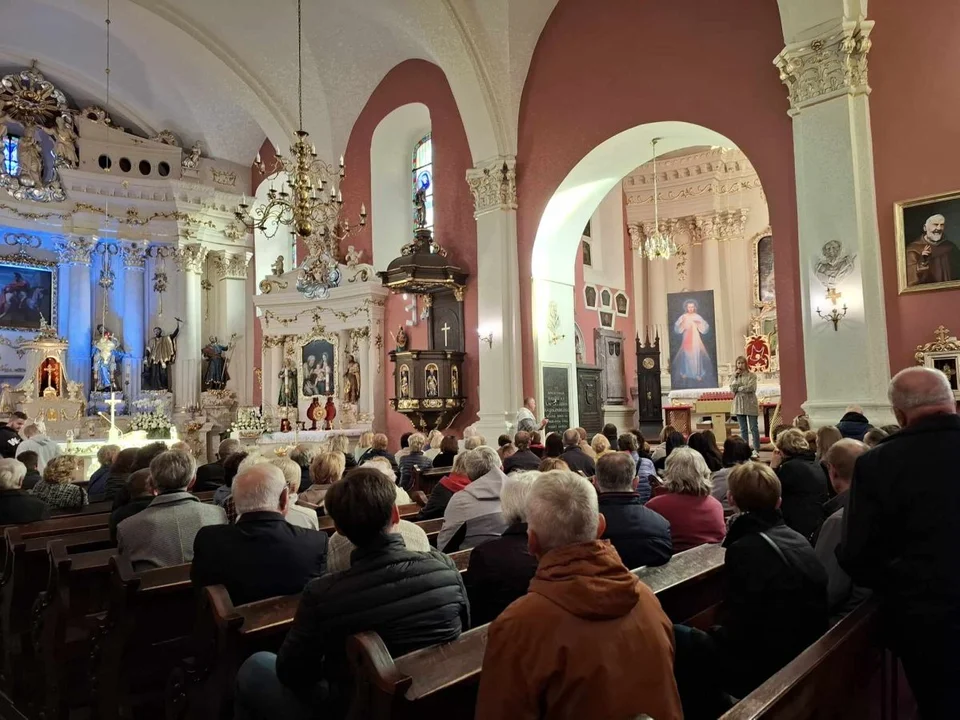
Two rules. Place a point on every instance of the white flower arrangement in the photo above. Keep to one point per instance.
(150, 421)
(249, 421)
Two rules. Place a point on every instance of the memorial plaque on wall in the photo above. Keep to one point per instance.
(556, 398)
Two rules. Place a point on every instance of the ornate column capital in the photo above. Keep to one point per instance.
(134, 256)
(75, 251)
(493, 184)
(828, 66)
(231, 266)
(190, 258)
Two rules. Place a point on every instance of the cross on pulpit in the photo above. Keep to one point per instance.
(445, 329)
(833, 295)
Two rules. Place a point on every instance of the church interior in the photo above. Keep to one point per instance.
(313, 224)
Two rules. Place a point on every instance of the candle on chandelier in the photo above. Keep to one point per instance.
(333, 191)
(339, 197)
(313, 149)
(341, 161)
(363, 210)
(258, 158)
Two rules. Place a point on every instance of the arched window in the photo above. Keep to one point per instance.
(11, 155)
(423, 172)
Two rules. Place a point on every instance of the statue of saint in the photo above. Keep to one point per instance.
(31, 159)
(353, 256)
(401, 338)
(420, 207)
(106, 352)
(351, 381)
(277, 267)
(161, 353)
(216, 375)
(64, 141)
(288, 385)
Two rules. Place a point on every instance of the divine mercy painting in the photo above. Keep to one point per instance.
(693, 340)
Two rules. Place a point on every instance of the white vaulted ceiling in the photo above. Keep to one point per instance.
(224, 71)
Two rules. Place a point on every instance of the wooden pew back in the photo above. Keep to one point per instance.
(326, 523)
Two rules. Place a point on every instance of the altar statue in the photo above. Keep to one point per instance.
(161, 353)
(64, 140)
(288, 385)
(31, 159)
(216, 375)
(351, 381)
(106, 351)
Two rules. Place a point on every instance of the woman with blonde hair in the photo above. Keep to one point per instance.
(552, 463)
(600, 445)
(826, 437)
(695, 516)
(803, 483)
(341, 443)
(325, 469)
(57, 488)
(745, 404)
(414, 458)
(363, 444)
(433, 444)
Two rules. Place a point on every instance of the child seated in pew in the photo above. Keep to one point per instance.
(411, 599)
(774, 605)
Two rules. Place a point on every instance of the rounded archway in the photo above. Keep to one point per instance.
(716, 227)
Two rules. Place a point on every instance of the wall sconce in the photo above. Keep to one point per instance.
(488, 338)
(835, 316)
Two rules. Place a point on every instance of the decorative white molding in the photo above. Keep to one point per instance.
(190, 258)
(828, 66)
(75, 251)
(134, 257)
(722, 226)
(494, 185)
(231, 266)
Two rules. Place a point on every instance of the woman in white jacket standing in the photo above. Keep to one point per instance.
(745, 405)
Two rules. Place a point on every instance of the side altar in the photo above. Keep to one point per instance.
(323, 358)
(46, 392)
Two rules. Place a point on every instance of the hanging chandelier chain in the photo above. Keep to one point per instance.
(656, 198)
(300, 60)
(108, 55)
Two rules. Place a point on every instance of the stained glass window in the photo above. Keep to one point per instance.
(423, 173)
(11, 155)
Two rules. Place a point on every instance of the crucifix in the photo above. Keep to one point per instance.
(445, 329)
(833, 295)
(49, 372)
(114, 434)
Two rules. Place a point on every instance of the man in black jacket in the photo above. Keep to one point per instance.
(523, 458)
(142, 491)
(262, 555)
(17, 506)
(10, 434)
(211, 476)
(410, 599)
(576, 459)
(640, 535)
(854, 423)
(901, 535)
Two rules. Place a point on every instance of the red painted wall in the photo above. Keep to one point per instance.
(916, 144)
(638, 62)
(418, 81)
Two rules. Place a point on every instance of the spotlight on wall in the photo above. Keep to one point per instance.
(488, 338)
(834, 316)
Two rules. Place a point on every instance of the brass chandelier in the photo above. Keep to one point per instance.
(658, 245)
(310, 207)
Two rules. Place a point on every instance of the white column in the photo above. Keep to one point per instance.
(134, 340)
(189, 260)
(75, 253)
(826, 75)
(494, 188)
(272, 363)
(711, 281)
(231, 317)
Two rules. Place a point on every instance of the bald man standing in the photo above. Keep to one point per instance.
(901, 536)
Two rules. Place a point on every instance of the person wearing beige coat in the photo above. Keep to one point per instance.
(745, 405)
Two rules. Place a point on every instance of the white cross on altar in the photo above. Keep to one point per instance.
(445, 329)
(113, 402)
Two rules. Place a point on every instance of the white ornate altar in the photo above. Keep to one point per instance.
(350, 321)
(46, 392)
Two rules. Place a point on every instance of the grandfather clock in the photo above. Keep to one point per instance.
(649, 401)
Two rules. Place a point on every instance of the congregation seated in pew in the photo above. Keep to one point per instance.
(262, 555)
(411, 599)
(98, 481)
(589, 640)
(413, 458)
(57, 489)
(803, 481)
(16, 505)
(500, 570)
(774, 605)
(575, 456)
(325, 469)
(383, 465)
(162, 534)
(141, 490)
(695, 516)
(298, 515)
(450, 484)
(524, 458)
(640, 535)
(30, 460)
(474, 512)
(211, 476)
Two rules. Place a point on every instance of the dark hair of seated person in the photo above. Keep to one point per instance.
(147, 453)
(361, 504)
(736, 450)
(504, 440)
(674, 440)
(553, 445)
(449, 444)
(123, 463)
(405, 440)
(230, 467)
(140, 483)
(30, 459)
(707, 448)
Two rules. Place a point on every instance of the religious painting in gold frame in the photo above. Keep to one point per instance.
(943, 354)
(764, 277)
(928, 256)
(322, 376)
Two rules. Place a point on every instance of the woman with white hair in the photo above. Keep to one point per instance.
(414, 458)
(17, 506)
(501, 570)
(433, 444)
(297, 515)
(695, 516)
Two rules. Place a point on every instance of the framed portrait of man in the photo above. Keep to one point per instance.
(928, 243)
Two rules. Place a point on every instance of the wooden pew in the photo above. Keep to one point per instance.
(461, 559)
(407, 512)
(70, 613)
(227, 635)
(831, 679)
(442, 681)
(104, 506)
(424, 481)
(146, 631)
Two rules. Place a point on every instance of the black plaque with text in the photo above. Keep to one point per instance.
(556, 398)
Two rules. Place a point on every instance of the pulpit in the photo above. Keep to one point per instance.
(427, 386)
